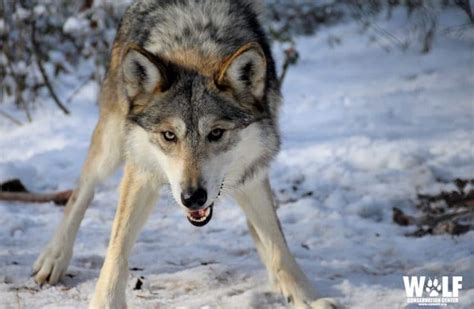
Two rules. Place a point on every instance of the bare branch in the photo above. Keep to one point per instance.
(11, 118)
(291, 56)
(43, 72)
(79, 88)
(465, 5)
(18, 94)
(86, 5)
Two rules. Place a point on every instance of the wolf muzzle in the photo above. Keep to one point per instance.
(194, 200)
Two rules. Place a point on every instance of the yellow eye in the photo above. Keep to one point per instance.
(215, 135)
(169, 136)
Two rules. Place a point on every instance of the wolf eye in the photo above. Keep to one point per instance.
(215, 135)
(169, 136)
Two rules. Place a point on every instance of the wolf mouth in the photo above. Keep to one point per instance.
(200, 217)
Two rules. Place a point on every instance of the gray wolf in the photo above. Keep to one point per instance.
(190, 99)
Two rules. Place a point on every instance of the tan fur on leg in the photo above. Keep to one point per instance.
(103, 159)
(138, 194)
(256, 201)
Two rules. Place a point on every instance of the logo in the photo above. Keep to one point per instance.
(432, 291)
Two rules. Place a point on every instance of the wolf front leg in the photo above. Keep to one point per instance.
(138, 194)
(256, 201)
(102, 160)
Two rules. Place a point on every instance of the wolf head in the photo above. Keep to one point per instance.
(204, 133)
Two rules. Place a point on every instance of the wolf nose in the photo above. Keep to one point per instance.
(194, 198)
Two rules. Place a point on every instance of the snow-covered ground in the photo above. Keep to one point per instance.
(364, 130)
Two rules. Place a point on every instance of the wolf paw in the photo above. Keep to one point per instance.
(307, 301)
(300, 294)
(51, 264)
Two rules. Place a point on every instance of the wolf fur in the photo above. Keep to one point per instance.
(178, 70)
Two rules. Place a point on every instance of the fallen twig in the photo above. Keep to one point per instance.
(14, 191)
(444, 213)
(59, 198)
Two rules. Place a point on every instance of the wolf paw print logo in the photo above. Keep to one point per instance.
(432, 291)
(433, 287)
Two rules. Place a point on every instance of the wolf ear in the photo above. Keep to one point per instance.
(142, 72)
(245, 71)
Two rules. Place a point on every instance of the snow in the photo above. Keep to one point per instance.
(364, 130)
(75, 24)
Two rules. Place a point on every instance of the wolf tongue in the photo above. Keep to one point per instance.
(200, 217)
(198, 213)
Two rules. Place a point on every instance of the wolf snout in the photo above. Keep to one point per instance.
(194, 198)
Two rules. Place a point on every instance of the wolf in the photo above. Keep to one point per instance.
(190, 99)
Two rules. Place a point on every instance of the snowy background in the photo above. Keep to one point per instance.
(364, 130)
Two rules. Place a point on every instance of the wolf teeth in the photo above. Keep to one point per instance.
(208, 210)
(198, 220)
